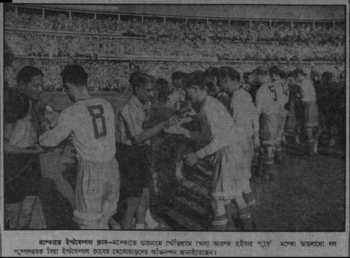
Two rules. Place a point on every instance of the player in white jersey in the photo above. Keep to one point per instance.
(282, 90)
(246, 119)
(308, 97)
(222, 142)
(90, 122)
(268, 108)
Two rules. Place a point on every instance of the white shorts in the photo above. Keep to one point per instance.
(96, 192)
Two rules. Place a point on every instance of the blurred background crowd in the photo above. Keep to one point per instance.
(52, 40)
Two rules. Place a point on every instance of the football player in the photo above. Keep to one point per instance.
(133, 145)
(268, 107)
(282, 90)
(90, 122)
(23, 189)
(220, 140)
(310, 108)
(245, 117)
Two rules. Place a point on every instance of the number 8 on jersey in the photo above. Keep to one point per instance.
(98, 121)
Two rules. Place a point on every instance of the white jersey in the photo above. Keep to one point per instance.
(267, 99)
(217, 127)
(91, 124)
(24, 134)
(282, 89)
(244, 113)
(307, 90)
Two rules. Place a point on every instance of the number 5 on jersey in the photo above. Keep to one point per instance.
(272, 89)
(98, 121)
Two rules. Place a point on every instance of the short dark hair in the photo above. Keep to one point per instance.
(164, 89)
(195, 78)
(261, 70)
(283, 74)
(178, 75)
(298, 71)
(161, 83)
(274, 70)
(210, 88)
(74, 74)
(27, 73)
(327, 76)
(211, 72)
(140, 79)
(16, 105)
(289, 74)
(226, 71)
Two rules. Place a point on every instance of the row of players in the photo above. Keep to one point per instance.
(225, 135)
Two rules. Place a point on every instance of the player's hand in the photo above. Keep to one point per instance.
(38, 149)
(185, 120)
(191, 112)
(191, 159)
(256, 141)
(171, 121)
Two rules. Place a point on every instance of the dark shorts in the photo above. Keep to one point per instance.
(22, 177)
(135, 169)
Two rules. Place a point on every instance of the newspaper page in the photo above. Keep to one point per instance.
(175, 128)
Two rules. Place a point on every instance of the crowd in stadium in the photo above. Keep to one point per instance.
(192, 31)
(84, 46)
(278, 42)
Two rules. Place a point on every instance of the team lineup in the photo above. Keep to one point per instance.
(216, 119)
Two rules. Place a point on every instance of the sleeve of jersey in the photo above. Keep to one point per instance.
(133, 123)
(231, 108)
(259, 102)
(61, 131)
(302, 90)
(217, 132)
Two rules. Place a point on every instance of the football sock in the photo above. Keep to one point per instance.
(251, 203)
(246, 220)
(151, 223)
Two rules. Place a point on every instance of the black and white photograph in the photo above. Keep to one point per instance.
(180, 128)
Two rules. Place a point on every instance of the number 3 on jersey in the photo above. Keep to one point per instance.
(98, 119)
(272, 89)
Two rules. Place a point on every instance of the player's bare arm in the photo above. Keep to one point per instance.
(58, 134)
(148, 134)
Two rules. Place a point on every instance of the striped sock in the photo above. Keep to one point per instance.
(251, 203)
(246, 220)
